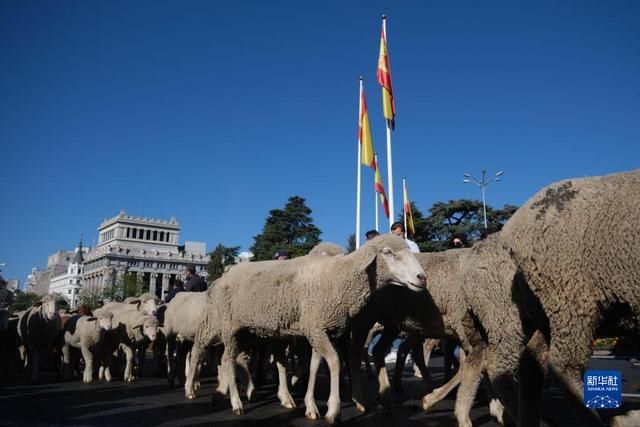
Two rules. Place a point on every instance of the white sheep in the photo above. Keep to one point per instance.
(38, 327)
(308, 296)
(85, 333)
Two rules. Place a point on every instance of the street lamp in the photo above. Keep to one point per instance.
(482, 184)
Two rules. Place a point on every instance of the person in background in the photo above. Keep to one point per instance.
(194, 283)
(397, 228)
(281, 255)
(371, 234)
(176, 286)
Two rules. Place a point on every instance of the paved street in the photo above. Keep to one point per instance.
(149, 401)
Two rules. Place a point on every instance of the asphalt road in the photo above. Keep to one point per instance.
(150, 401)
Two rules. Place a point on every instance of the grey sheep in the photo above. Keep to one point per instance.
(85, 333)
(38, 327)
(307, 297)
(577, 245)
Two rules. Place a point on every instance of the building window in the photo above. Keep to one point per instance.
(127, 232)
(155, 235)
(70, 281)
(148, 234)
(69, 291)
(135, 231)
(162, 236)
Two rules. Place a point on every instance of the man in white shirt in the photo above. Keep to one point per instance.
(397, 228)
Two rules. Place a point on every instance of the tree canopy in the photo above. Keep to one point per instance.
(221, 257)
(290, 229)
(461, 218)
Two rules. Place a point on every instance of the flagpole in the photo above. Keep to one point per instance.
(389, 162)
(375, 194)
(404, 208)
(359, 171)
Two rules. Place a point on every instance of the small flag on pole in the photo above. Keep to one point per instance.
(364, 133)
(384, 78)
(411, 230)
(380, 189)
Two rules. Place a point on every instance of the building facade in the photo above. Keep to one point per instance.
(39, 281)
(146, 247)
(69, 282)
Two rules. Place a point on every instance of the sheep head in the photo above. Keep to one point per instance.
(393, 262)
(105, 320)
(145, 303)
(149, 327)
(49, 307)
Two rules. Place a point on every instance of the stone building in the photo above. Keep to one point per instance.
(68, 283)
(57, 264)
(146, 247)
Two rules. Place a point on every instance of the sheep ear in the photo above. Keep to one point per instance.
(91, 319)
(138, 326)
(37, 304)
(368, 257)
(134, 301)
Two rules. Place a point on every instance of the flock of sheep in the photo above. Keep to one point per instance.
(523, 303)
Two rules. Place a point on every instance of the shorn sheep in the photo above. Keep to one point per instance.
(577, 245)
(85, 333)
(314, 298)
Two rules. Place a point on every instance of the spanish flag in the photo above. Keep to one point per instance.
(364, 133)
(380, 189)
(411, 230)
(384, 78)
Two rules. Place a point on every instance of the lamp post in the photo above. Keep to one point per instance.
(482, 184)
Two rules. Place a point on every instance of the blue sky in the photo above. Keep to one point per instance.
(217, 112)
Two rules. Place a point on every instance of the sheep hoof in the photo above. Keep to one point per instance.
(190, 396)
(196, 385)
(289, 404)
(312, 414)
(361, 407)
(333, 418)
(238, 411)
(426, 403)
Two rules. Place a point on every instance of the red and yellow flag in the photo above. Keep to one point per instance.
(364, 134)
(380, 189)
(384, 78)
(411, 230)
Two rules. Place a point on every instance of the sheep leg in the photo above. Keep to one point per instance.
(228, 369)
(35, 362)
(420, 361)
(171, 359)
(196, 357)
(469, 382)
(311, 410)
(281, 362)
(379, 351)
(323, 345)
(300, 348)
(440, 393)
(532, 372)
(87, 355)
(571, 380)
(403, 352)
(358, 339)
(66, 361)
(128, 370)
(142, 351)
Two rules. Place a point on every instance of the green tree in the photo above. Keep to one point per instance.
(220, 258)
(91, 296)
(113, 290)
(289, 229)
(351, 243)
(132, 285)
(460, 218)
(23, 300)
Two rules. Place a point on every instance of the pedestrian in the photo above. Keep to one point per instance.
(176, 286)
(397, 228)
(194, 283)
(371, 234)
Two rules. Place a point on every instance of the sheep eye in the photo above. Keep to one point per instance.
(386, 251)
